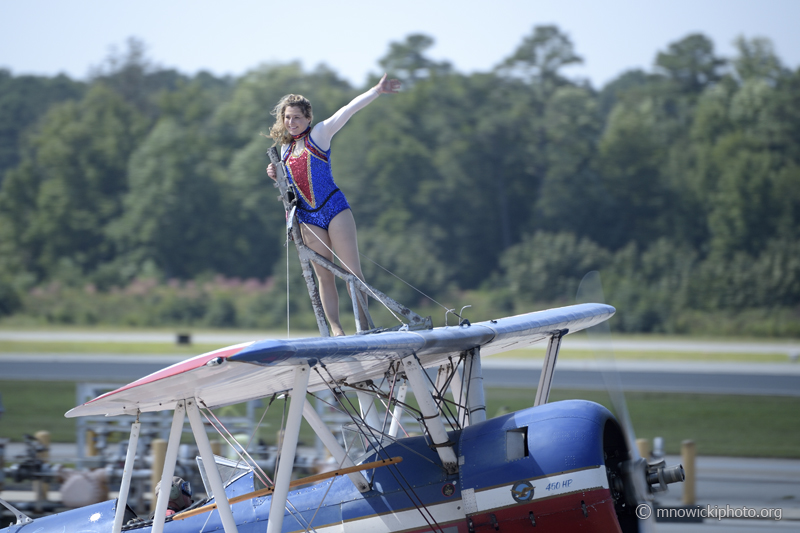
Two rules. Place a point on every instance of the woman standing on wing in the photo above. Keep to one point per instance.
(326, 218)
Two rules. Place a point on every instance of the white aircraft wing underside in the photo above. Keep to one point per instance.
(260, 369)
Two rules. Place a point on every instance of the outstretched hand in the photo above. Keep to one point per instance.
(388, 86)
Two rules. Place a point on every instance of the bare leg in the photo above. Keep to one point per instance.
(318, 240)
(343, 236)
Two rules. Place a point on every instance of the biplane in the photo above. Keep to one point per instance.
(558, 466)
(555, 466)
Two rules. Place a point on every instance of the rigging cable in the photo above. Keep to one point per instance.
(372, 406)
(250, 440)
(397, 442)
(288, 329)
(465, 390)
(444, 403)
(439, 405)
(322, 500)
(296, 514)
(281, 435)
(230, 440)
(389, 404)
(404, 281)
(375, 296)
(366, 286)
(252, 435)
(293, 511)
(416, 289)
(380, 450)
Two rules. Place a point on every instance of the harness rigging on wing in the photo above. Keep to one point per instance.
(373, 441)
(355, 286)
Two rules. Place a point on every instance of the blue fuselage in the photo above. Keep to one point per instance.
(544, 465)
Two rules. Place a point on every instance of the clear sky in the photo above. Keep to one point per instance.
(233, 36)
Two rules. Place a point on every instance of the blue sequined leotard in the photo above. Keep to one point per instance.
(319, 199)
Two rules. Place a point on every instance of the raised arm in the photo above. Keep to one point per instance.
(324, 131)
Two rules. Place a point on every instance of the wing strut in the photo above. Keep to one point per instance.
(210, 466)
(288, 449)
(430, 413)
(448, 378)
(22, 518)
(457, 387)
(127, 473)
(473, 376)
(169, 466)
(366, 407)
(398, 409)
(333, 446)
(444, 378)
(546, 379)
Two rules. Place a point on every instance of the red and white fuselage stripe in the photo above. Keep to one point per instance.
(552, 495)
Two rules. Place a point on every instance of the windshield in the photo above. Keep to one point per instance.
(361, 442)
(228, 470)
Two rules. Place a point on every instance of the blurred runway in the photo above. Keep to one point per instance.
(781, 379)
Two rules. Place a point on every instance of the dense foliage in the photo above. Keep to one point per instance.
(681, 185)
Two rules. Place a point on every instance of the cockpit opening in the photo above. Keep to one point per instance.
(516, 444)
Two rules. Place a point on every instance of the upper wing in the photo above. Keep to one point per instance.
(258, 369)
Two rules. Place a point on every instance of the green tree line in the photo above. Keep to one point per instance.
(680, 185)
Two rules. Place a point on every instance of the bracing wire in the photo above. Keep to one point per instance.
(375, 296)
(466, 389)
(391, 397)
(293, 511)
(322, 500)
(380, 450)
(253, 434)
(230, 440)
(444, 401)
(288, 329)
(404, 405)
(389, 403)
(447, 310)
(404, 281)
(281, 435)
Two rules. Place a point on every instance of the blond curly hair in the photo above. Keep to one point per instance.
(278, 130)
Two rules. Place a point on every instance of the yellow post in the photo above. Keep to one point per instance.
(644, 448)
(158, 449)
(91, 443)
(688, 457)
(40, 488)
(44, 438)
(216, 447)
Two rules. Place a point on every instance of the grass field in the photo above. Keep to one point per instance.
(743, 426)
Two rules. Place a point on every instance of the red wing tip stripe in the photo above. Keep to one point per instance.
(178, 368)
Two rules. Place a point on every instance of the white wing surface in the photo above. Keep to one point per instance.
(259, 369)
